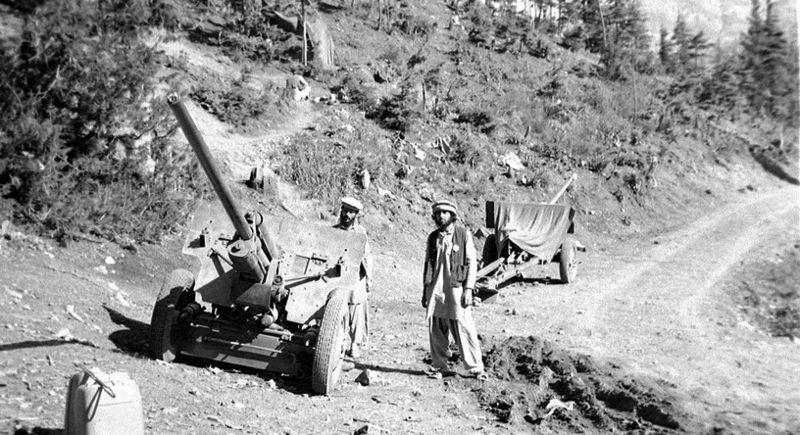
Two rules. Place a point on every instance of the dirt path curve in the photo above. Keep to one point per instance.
(663, 310)
(671, 296)
(238, 153)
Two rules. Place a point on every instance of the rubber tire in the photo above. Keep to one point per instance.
(70, 425)
(165, 335)
(330, 345)
(567, 266)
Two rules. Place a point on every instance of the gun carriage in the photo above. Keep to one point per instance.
(270, 294)
(527, 237)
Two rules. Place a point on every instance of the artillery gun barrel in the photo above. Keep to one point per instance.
(209, 166)
(563, 189)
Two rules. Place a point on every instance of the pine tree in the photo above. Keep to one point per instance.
(573, 30)
(720, 88)
(695, 51)
(628, 40)
(774, 63)
(666, 50)
(591, 16)
(680, 40)
(793, 92)
(751, 60)
(544, 16)
(767, 69)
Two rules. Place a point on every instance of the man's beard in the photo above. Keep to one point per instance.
(347, 222)
(442, 223)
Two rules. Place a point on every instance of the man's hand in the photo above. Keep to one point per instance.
(424, 301)
(466, 298)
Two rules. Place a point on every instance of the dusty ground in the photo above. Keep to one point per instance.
(767, 290)
(655, 308)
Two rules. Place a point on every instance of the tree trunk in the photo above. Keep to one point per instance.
(305, 36)
(603, 23)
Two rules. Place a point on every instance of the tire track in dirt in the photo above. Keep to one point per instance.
(666, 314)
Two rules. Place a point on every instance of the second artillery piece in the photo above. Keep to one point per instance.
(526, 238)
(271, 295)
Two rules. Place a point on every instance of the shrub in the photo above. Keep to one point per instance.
(256, 48)
(478, 119)
(250, 35)
(82, 139)
(352, 88)
(328, 170)
(503, 33)
(129, 15)
(465, 149)
(237, 103)
(397, 112)
(243, 30)
(413, 24)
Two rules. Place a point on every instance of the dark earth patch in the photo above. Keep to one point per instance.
(768, 291)
(535, 382)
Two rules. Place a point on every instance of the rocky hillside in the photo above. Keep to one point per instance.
(415, 101)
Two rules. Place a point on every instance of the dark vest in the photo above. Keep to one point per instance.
(458, 257)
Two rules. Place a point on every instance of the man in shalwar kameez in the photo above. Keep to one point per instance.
(449, 280)
(359, 321)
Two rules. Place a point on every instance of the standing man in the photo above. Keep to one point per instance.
(448, 283)
(359, 322)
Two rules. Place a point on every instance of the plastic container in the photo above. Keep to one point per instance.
(99, 403)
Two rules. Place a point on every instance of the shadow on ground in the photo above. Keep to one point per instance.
(43, 343)
(772, 165)
(38, 431)
(134, 340)
(490, 296)
(384, 369)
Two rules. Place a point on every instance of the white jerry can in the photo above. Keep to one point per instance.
(99, 403)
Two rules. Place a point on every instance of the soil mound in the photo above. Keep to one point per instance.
(536, 382)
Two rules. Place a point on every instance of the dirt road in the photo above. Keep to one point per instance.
(659, 307)
(654, 306)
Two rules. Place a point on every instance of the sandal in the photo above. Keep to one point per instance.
(481, 375)
(433, 373)
(348, 365)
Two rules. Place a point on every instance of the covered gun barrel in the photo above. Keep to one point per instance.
(209, 166)
(563, 189)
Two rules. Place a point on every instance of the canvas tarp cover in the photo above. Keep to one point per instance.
(538, 229)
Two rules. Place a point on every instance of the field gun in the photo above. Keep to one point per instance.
(527, 237)
(270, 295)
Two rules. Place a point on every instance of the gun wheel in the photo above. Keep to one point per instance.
(489, 249)
(166, 332)
(567, 263)
(331, 343)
